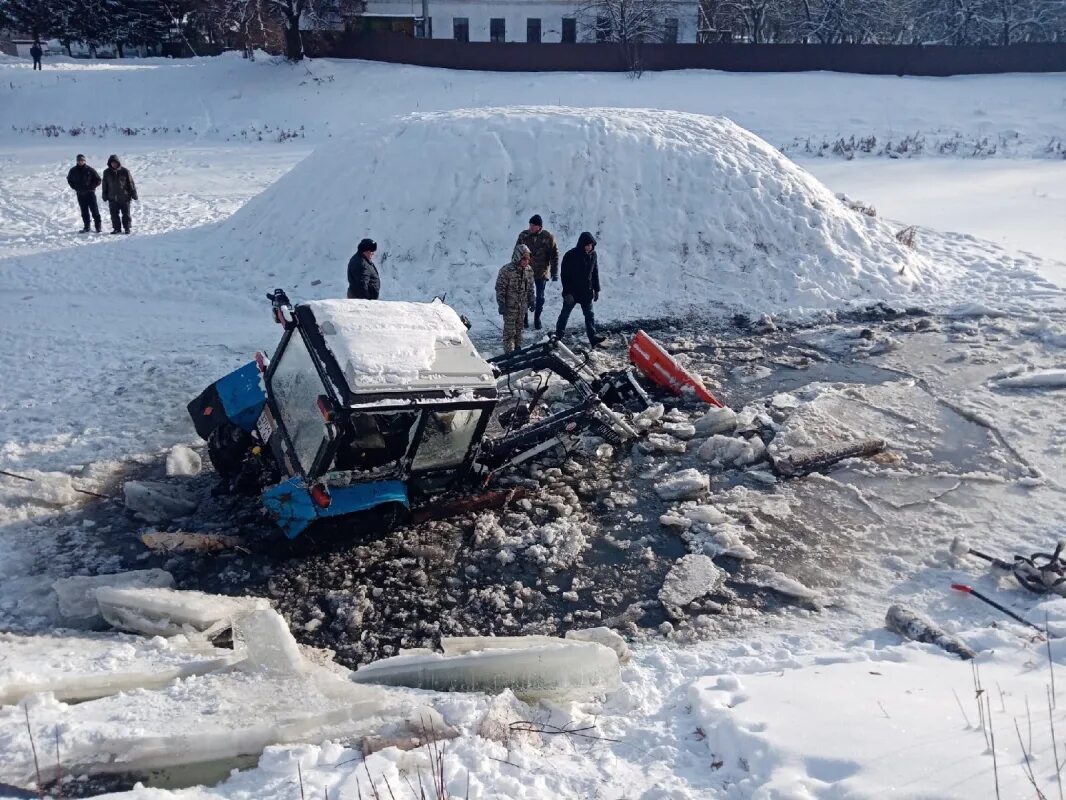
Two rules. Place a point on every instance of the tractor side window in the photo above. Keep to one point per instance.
(296, 385)
(373, 440)
(446, 439)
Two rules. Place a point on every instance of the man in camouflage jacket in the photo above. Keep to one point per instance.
(544, 260)
(514, 296)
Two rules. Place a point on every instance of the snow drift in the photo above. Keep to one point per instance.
(691, 212)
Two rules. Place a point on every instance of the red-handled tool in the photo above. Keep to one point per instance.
(961, 587)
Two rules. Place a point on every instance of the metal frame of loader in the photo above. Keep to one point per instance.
(256, 442)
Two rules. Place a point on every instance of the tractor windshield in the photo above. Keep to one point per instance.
(446, 439)
(295, 385)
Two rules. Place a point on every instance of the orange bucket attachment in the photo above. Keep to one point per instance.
(660, 367)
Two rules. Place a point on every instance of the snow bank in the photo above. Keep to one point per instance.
(693, 210)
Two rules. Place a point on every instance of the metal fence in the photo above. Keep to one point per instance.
(932, 60)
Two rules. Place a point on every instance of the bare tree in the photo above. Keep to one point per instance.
(630, 24)
(316, 13)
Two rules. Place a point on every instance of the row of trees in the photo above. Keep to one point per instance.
(950, 22)
(210, 25)
(202, 25)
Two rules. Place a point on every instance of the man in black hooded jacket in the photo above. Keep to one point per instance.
(83, 179)
(363, 280)
(580, 274)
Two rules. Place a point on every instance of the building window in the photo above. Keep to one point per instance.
(497, 29)
(670, 30)
(461, 29)
(569, 29)
(533, 30)
(603, 29)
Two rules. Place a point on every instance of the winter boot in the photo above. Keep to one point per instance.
(536, 322)
(117, 230)
(98, 227)
(597, 340)
(85, 229)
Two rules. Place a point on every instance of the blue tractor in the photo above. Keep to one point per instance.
(388, 405)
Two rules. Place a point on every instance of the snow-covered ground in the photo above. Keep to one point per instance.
(106, 340)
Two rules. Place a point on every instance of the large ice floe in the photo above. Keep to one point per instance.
(697, 207)
(269, 695)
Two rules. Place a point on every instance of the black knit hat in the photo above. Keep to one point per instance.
(536, 220)
(367, 244)
(79, 156)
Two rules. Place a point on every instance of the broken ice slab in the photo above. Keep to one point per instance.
(158, 502)
(717, 420)
(729, 451)
(767, 577)
(556, 668)
(604, 636)
(268, 643)
(166, 612)
(77, 595)
(96, 665)
(197, 721)
(691, 577)
(684, 485)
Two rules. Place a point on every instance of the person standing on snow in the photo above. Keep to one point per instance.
(581, 286)
(514, 296)
(363, 280)
(83, 179)
(118, 191)
(35, 53)
(544, 258)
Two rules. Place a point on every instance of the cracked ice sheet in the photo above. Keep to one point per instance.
(86, 666)
(195, 721)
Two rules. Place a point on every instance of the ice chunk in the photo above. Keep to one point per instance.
(649, 416)
(461, 645)
(182, 460)
(683, 485)
(268, 643)
(165, 612)
(727, 451)
(717, 420)
(680, 430)
(42, 488)
(558, 669)
(1040, 379)
(213, 717)
(692, 577)
(157, 502)
(769, 578)
(672, 520)
(658, 443)
(707, 514)
(77, 595)
(604, 636)
(94, 665)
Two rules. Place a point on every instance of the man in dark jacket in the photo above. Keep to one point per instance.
(83, 179)
(35, 53)
(581, 286)
(118, 191)
(363, 280)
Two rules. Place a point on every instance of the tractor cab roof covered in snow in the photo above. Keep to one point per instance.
(375, 350)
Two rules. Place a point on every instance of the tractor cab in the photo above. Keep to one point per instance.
(363, 403)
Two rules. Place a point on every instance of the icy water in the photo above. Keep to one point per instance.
(586, 546)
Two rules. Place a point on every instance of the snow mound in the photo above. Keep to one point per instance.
(689, 211)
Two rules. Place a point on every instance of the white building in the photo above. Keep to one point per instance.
(521, 21)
